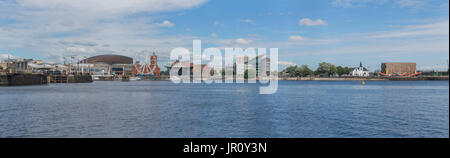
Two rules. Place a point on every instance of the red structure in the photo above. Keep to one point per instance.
(146, 69)
(154, 65)
(399, 69)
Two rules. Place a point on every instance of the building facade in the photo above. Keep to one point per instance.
(104, 65)
(360, 71)
(147, 70)
(398, 68)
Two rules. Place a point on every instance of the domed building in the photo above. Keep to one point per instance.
(107, 65)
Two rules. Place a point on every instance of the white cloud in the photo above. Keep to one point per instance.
(77, 43)
(432, 68)
(286, 63)
(217, 23)
(248, 21)
(112, 6)
(166, 23)
(410, 3)
(80, 50)
(297, 38)
(54, 28)
(368, 3)
(7, 56)
(418, 42)
(243, 41)
(433, 29)
(351, 3)
(309, 22)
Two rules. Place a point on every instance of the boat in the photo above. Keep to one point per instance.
(135, 78)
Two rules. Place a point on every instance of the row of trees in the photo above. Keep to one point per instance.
(324, 69)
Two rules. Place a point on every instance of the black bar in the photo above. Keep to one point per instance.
(274, 147)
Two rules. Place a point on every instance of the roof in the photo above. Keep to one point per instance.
(109, 59)
(398, 63)
(364, 69)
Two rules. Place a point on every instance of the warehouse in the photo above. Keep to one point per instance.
(398, 68)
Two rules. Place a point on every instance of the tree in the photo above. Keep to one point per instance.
(295, 71)
(246, 74)
(292, 71)
(305, 71)
(251, 73)
(343, 70)
(326, 69)
(1, 68)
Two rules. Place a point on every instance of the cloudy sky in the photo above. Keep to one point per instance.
(343, 32)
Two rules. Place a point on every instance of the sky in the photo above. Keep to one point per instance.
(343, 32)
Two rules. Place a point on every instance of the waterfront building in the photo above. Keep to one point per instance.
(360, 71)
(29, 65)
(257, 62)
(398, 68)
(16, 65)
(190, 66)
(3, 65)
(144, 69)
(104, 65)
(45, 67)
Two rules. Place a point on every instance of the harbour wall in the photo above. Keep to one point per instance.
(18, 79)
(70, 78)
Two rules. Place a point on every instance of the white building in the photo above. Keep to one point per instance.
(360, 71)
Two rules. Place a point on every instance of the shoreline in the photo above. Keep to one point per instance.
(440, 78)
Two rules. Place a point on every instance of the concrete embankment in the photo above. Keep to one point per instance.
(70, 78)
(431, 78)
(330, 78)
(18, 79)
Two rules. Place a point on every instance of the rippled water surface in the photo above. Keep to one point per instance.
(162, 109)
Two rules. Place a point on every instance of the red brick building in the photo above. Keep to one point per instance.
(146, 69)
(398, 68)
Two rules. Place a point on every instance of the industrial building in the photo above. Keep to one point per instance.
(400, 69)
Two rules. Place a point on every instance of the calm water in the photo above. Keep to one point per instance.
(163, 109)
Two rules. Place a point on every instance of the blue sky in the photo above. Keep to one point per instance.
(343, 32)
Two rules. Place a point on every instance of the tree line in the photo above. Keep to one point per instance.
(324, 69)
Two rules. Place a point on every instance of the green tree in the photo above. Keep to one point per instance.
(326, 69)
(295, 71)
(251, 73)
(343, 70)
(305, 71)
(292, 71)
(246, 74)
(1, 68)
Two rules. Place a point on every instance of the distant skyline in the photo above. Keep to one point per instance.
(343, 32)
